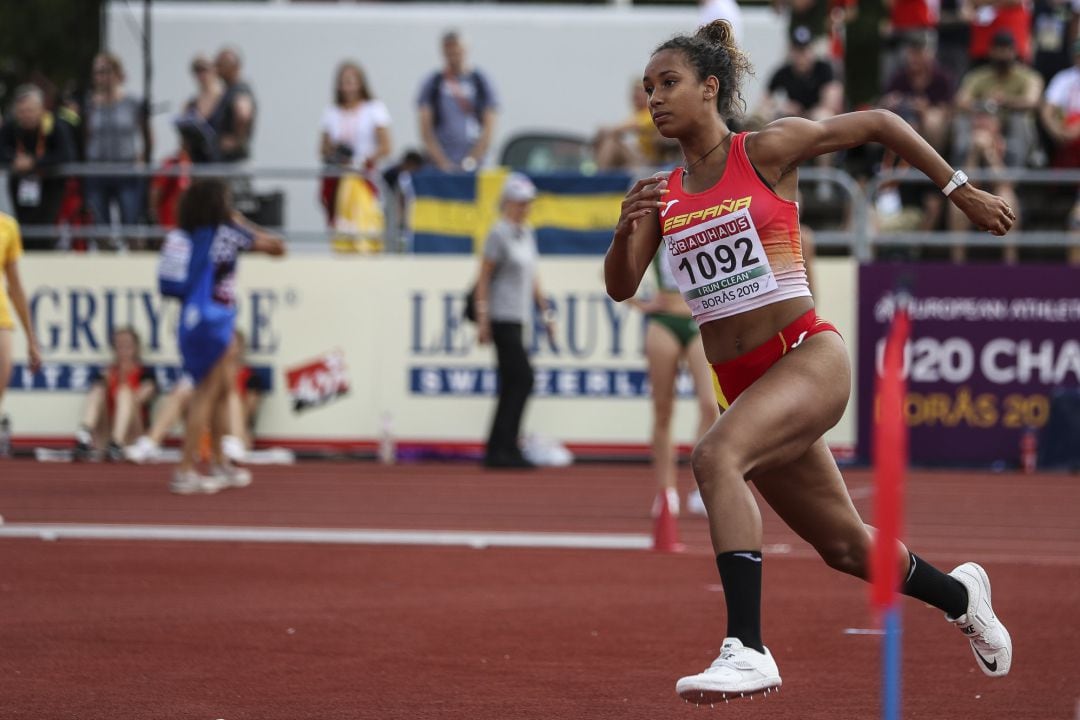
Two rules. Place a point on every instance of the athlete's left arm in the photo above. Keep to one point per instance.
(262, 240)
(783, 145)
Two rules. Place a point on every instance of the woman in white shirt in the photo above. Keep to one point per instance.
(355, 130)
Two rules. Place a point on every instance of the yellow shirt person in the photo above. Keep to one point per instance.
(10, 252)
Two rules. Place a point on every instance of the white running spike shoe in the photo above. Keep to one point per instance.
(233, 448)
(190, 482)
(738, 672)
(144, 450)
(231, 476)
(695, 505)
(990, 641)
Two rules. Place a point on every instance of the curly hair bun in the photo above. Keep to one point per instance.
(718, 32)
(712, 50)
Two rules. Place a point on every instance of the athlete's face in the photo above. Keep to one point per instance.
(678, 100)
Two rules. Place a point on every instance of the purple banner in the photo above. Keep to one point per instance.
(989, 344)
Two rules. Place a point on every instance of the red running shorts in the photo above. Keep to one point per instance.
(734, 376)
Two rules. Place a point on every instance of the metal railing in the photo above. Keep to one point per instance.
(239, 175)
(856, 232)
(985, 178)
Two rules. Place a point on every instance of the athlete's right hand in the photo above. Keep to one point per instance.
(483, 333)
(644, 198)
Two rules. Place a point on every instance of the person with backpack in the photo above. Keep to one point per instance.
(198, 267)
(457, 109)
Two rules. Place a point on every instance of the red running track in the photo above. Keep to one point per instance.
(104, 629)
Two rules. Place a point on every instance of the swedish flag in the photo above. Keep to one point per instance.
(573, 214)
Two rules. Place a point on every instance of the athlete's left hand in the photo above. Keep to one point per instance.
(987, 211)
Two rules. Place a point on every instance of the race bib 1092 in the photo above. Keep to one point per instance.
(720, 263)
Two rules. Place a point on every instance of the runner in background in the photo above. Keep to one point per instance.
(671, 340)
(198, 266)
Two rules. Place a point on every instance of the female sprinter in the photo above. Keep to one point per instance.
(198, 264)
(731, 234)
(671, 337)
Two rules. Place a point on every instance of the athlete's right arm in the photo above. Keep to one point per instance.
(636, 238)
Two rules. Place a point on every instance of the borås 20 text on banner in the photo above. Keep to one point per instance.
(989, 346)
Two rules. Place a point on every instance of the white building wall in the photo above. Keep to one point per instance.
(554, 68)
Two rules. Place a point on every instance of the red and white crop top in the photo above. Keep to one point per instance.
(734, 247)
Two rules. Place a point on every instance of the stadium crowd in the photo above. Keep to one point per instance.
(992, 84)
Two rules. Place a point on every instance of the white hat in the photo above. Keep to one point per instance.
(518, 188)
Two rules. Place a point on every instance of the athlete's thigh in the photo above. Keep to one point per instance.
(662, 354)
(778, 418)
(809, 495)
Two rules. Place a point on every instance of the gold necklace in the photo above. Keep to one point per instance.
(686, 170)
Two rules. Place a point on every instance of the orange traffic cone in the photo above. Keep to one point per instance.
(666, 528)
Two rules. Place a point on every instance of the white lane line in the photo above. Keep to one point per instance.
(185, 533)
(863, 631)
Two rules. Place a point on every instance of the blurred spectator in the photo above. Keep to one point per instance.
(31, 146)
(954, 35)
(1054, 28)
(805, 86)
(117, 407)
(991, 19)
(1060, 113)
(862, 56)
(194, 123)
(813, 15)
(11, 286)
(1005, 89)
(233, 119)
(457, 107)
(921, 91)
(506, 291)
(167, 187)
(114, 123)
(1061, 117)
(709, 10)
(907, 19)
(355, 130)
(635, 142)
(986, 149)
(398, 179)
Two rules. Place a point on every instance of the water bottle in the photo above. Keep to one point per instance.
(1029, 450)
(387, 447)
(5, 436)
